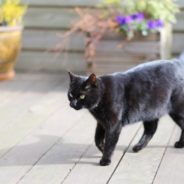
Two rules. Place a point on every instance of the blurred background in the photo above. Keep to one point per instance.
(46, 20)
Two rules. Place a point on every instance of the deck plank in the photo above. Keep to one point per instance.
(6, 87)
(11, 111)
(9, 90)
(140, 168)
(37, 113)
(55, 165)
(91, 172)
(172, 167)
(20, 160)
(56, 62)
(30, 120)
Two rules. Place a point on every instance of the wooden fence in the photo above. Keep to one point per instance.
(46, 20)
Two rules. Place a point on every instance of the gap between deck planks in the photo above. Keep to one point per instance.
(63, 156)
(21, 159)
(88, 169)
(172, 167)
(11, 110)
(8, 92)
(34, 114)
(141, 167)
(20, 85)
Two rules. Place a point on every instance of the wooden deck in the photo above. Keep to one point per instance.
(44, 141)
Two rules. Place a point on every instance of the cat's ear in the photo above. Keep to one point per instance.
(92, 80)
(71, 75)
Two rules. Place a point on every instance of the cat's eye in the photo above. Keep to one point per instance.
(82, 97)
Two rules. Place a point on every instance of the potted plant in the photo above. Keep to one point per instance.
(119, 32)
(11, 13)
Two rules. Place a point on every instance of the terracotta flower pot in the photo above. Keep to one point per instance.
(10, 43)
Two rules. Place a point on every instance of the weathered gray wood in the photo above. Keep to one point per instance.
(130, 54)
(10, 112)
(180, 3)
(107, 69)
(178, 44)
(59, 18)
(67, 3)
(45, 61)
(51, 40)
(179, 26)
(126, 58)
(116, 64)
(42, 40)
(9, 90)
(141, 167)
(55, 165)
(20, 160)
(109, 35)
(91, 173)
(72, 3)
(36, 114)
(131, 47)
(53, 62)
(172, 165)
(53, 18)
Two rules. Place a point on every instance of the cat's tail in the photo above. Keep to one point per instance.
(181, 57)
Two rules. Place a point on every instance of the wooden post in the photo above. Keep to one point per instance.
(166, 42)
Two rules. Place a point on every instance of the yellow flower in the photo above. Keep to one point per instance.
(11, 12)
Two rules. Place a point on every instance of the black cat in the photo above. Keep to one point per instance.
(144, 93)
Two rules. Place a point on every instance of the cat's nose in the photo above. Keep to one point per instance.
(73, 103)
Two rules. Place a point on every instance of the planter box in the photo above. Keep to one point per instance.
(114, 53)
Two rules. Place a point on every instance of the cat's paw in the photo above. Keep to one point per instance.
(179, 144)
(105, 162)
(137, 148)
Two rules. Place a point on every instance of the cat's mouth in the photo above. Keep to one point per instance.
(74, 106)
(77, 108)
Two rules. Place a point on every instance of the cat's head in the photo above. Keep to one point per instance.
(84, 92)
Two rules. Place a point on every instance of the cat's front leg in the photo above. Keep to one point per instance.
(99, 137)
(111, 139)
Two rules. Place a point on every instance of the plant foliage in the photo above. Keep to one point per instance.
(11, 12)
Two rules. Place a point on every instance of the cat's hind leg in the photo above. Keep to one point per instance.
(179, 120)
(99, 137)
(150, 128)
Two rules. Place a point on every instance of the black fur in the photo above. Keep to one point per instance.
(144, 93)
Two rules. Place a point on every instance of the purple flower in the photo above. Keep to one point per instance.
(128, 19)
(151, 24)
(137, 16)
(154, 24)
(122, 20)
(159, 23)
